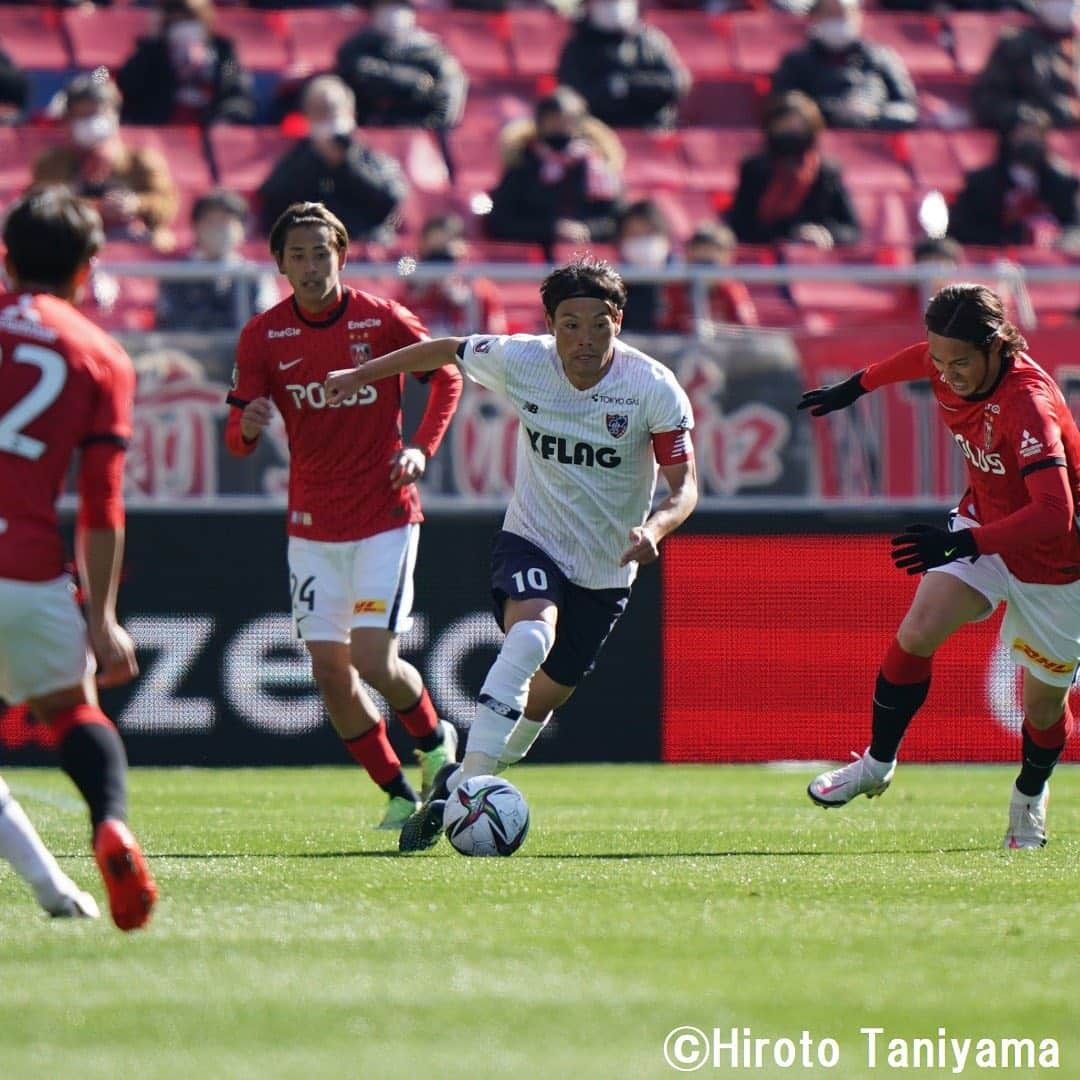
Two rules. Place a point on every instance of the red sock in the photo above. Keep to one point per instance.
(901, 667)
(421, 719)
(1054, 737)
(373, 751)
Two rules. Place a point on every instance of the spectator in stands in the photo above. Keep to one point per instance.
(452, 305)
(14, 90)
(185, 73)
(644, 241)
(856, 84)
(225, 302)
(400, 74)
(1032, 71)
(711, 244)
(131, 188)
(562, 178)
(362, 186)
(627, 71)
(1023, 197)
(789, 192)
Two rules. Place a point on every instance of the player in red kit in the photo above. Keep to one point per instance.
(66, 386)
(354, 512)
(1013, 538)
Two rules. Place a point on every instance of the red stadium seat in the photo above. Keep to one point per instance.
(653, 159)
(504, 251)
(919, 39)
(31, 34)
(245, 155)
(1053, 300)
(825, 303)
(973, 148)
(260, 37)
(933, 163)
(105, 35)
(761, 39)
(536, 41)
(887, 218)
(698, 37)
(945, 101)
(1066, 145)
(724, 101)
(478, 40)
(417, 152)
(975, 33)
(315, 34)
(20, 147)
(713, 157)
(868, 160)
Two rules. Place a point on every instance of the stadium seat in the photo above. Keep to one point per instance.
(973, 148)
(832, 302)
(31, 34)
(933, 163)
(761, 39)
(944, 101)
(104, 36)
(713, 157)
(243, 156)
(315, 34)
(478, 40)
(1053, 300)
(481, 251)
(417, 152)
(726, 101)
(919, 39)
(653, 159)
(1066, 145)
(868, 159)
(536, 41)
(260, 37)
(887, 218)
(19, 149)
(975, 33)
(698, 37)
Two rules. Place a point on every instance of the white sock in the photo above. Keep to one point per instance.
(503, 697)
(521, 740)
(23, 848)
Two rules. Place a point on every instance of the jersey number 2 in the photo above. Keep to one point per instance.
(27, 409)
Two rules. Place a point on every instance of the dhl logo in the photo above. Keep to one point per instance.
(369, 607)
(1055, 666)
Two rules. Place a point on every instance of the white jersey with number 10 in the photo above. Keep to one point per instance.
(585, 470)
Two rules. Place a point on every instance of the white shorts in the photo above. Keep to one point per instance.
(43, 641)
(338, 586)
(1041, 627)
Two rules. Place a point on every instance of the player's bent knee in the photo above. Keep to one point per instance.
(921, 633)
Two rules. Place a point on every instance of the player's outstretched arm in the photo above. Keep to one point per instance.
(681, 480)
(827, 399)
(423, 356)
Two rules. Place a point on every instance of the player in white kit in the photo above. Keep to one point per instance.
(599, 420)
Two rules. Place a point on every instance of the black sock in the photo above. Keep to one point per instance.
(431, 740)
(400, 788)
(1036, 766)
(894, 706)
(93, 756)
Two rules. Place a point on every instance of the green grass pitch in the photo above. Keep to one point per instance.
(292, 941)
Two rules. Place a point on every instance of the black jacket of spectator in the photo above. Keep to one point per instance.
(632, 79)
(413, 81)
(364, 191)
(14, 84)
(864, 72)
(979, 214)
(205, 305)
(149, 86)
(525, 208)
(827, 203)
(1029, 71)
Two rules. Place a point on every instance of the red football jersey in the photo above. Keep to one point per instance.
(339, 469)
(64, 383)
(1023, 424)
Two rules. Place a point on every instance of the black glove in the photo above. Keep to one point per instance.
(921, 547)
(827, 399)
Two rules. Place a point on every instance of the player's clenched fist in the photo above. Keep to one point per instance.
(115, 653)
(256, 415)
(342, 383)
(644, 547)
(407, 466)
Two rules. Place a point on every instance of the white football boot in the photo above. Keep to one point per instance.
(70, 902)
(1027, 819)
(863, 776)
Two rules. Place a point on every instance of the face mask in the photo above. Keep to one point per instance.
(836, 34)
(216, 243)
(612, 15)
(557, 140)
(789, 144)
(325, 130)
(91, 131)
(1059, 15)
(1023, 177)
(394, 20)
(651, 251)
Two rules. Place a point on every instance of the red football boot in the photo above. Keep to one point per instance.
(131, 889)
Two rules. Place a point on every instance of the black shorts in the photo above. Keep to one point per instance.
(521, 571)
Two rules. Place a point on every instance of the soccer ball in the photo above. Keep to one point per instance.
(486, 815)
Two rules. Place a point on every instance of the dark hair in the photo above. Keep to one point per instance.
(794, 102)
(562, 101)
(648, 211)
(938, 247)
(228, 202)
(712, 232)
(96, 86)
(50, 234)
(975, 314)
(583, 276)
(306, 213)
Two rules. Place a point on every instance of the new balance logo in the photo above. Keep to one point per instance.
(1029, 445)
(531, 407)
(499, 707)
